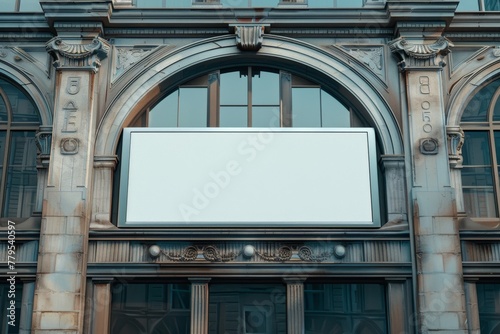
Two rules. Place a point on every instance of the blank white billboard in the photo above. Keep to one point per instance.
(248, 177)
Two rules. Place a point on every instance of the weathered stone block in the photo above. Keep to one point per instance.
(64, 203)
(68, 263)
(57, 320)
(435, 203)
(55, 225)
(431, 263)
(56, 282)
(445, 225)
(61, 244)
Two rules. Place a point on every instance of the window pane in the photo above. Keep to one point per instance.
(193, 107)
(479, 202)
(477, 109)
(476, 149)
(233, 88)
(147, 308)
(265, 88)
(247, 308)
(468, 5)
(164, 114)
(333, 113)
(306, 111)
(20, 188)
(348, 3)
(496, 110)
(150, 3)
(491, 4)
(8, 5)
(30, 6)
(488, 297)
(344, 308)
(22, 107)
(5, 303)
(266, 117)
(233, 116)
(477, 176)
(3, 110)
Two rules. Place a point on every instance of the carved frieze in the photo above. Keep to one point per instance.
(126, 58)
(77, 55)
(420, 55)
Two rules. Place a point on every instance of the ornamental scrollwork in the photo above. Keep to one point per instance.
(284, 254)
(76, 54)
(188, 254)
(412, 54)
(249, 38)
(306, 254)
(212, 254)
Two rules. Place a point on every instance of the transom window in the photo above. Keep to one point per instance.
(479, 5)
(249, 97)
(19, 120)
(481, 152)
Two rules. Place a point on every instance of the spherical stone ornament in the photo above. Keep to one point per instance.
(154, 250)
(339, 251)
(248, 251)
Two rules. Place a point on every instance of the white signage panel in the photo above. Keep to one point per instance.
(248, 177)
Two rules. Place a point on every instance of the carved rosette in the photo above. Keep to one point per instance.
(249, 38)
(455, 143)
(283, 254)
(414, 55)
(306, 254)
(75, 55)
(188, 254)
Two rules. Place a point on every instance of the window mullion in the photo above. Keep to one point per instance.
(249, 98)
(496, 181)
(286, 99)
(214, 99)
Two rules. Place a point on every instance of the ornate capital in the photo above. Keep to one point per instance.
(43, 141)
(455, 143)
(78, 56)
(420, 55)
(249, 38)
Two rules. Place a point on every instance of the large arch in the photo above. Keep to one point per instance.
(215, 52)
(466, 89)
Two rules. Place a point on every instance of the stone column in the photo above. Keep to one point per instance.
(104, 167)
(394, 171)
(398, 306)
(62, 260)
(440, 300)
(199, 305)
(472, 307)
(294, 305)
(101, 306)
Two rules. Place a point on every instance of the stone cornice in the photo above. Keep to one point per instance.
(76, 55)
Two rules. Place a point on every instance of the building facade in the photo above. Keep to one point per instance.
(77, 77)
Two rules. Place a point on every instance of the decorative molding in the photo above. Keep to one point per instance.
(371, 57)
(188, 254)
(496, 51)
(76, 55)
(69, 146)
(283, 254)
(126, 58)
(306, 254)
(249, 38)
(43, 141)
(212, 254)
(421, 55)
(455, 142)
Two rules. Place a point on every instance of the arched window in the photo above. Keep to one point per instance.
(19, 120)
(481, 152)
(249, 97)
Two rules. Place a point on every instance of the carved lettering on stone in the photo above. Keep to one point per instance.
(70, 117)
(73, 86)
(69, 146)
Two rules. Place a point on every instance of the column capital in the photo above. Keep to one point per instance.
(249, 37)
(455, 142)
(76, 55)
(421, 54)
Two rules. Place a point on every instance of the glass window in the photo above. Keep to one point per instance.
(150, 308)
(345, 308)
(247, 308)
(6, 296)
(250, 97)
(488, 298)
(481, 152)
(468, 5)
(19, 121)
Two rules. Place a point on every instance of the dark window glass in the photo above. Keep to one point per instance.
(19, 121)
(488, 298)
(491, 5)
(477, 108)
(193, 107)
(345, 308)
(476, 149)
(247, 308)
(6, 297)
(150, 308)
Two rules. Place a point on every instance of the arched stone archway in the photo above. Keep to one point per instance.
(150, 83)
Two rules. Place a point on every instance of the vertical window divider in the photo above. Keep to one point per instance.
(249, 97)
(213, 99)
(286, 99)
(6, 150)
(496, 181)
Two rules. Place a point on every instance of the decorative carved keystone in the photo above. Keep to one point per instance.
(68, 55)
(249, 38)
(421, 54)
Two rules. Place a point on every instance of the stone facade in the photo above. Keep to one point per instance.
(408, 69)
